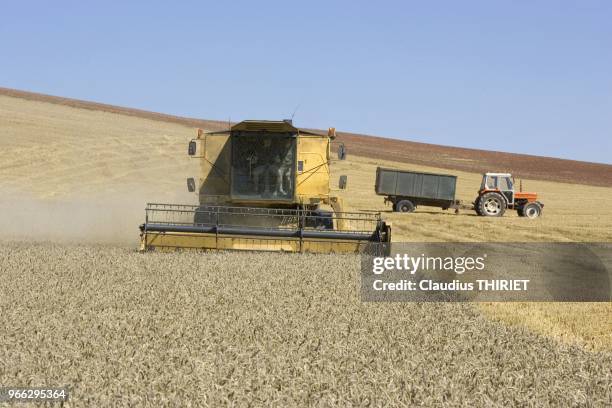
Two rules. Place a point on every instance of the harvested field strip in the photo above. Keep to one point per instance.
(586, 324)
(128, 328)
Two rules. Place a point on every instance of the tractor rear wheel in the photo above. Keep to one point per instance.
(404, 206)
(532, 210)
(492, 205)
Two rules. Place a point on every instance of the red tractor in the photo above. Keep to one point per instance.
(497, 194)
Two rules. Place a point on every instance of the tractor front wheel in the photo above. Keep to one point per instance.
(491, 205)
(532, 210)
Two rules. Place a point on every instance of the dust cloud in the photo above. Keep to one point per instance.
(103, 218)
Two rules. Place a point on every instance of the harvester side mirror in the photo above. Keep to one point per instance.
(342, 182)
(341, 152)
(191, 184)
(192, 148)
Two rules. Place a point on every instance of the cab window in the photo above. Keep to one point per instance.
(492, 182)
(505, 184)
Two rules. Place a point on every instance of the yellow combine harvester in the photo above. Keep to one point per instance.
(264, 185)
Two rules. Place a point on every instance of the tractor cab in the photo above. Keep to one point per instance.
(500, 182)
(497, 194)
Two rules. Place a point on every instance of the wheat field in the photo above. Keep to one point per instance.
(82, 307)
(123, 328)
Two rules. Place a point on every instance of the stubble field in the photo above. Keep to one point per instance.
(122, 327)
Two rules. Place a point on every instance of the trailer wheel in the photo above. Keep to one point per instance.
(532, 210)
(477, 206)
(492, 205)
(404, 206)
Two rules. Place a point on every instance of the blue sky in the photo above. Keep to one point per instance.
(522, 76)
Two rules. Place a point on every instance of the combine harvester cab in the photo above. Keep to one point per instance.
(264, 186)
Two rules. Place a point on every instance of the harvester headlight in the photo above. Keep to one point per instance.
(192, 148)
(342, 182)
(341, 152)
(191, 184)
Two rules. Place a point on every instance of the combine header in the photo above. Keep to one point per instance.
(264, 186)
(263, 229)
